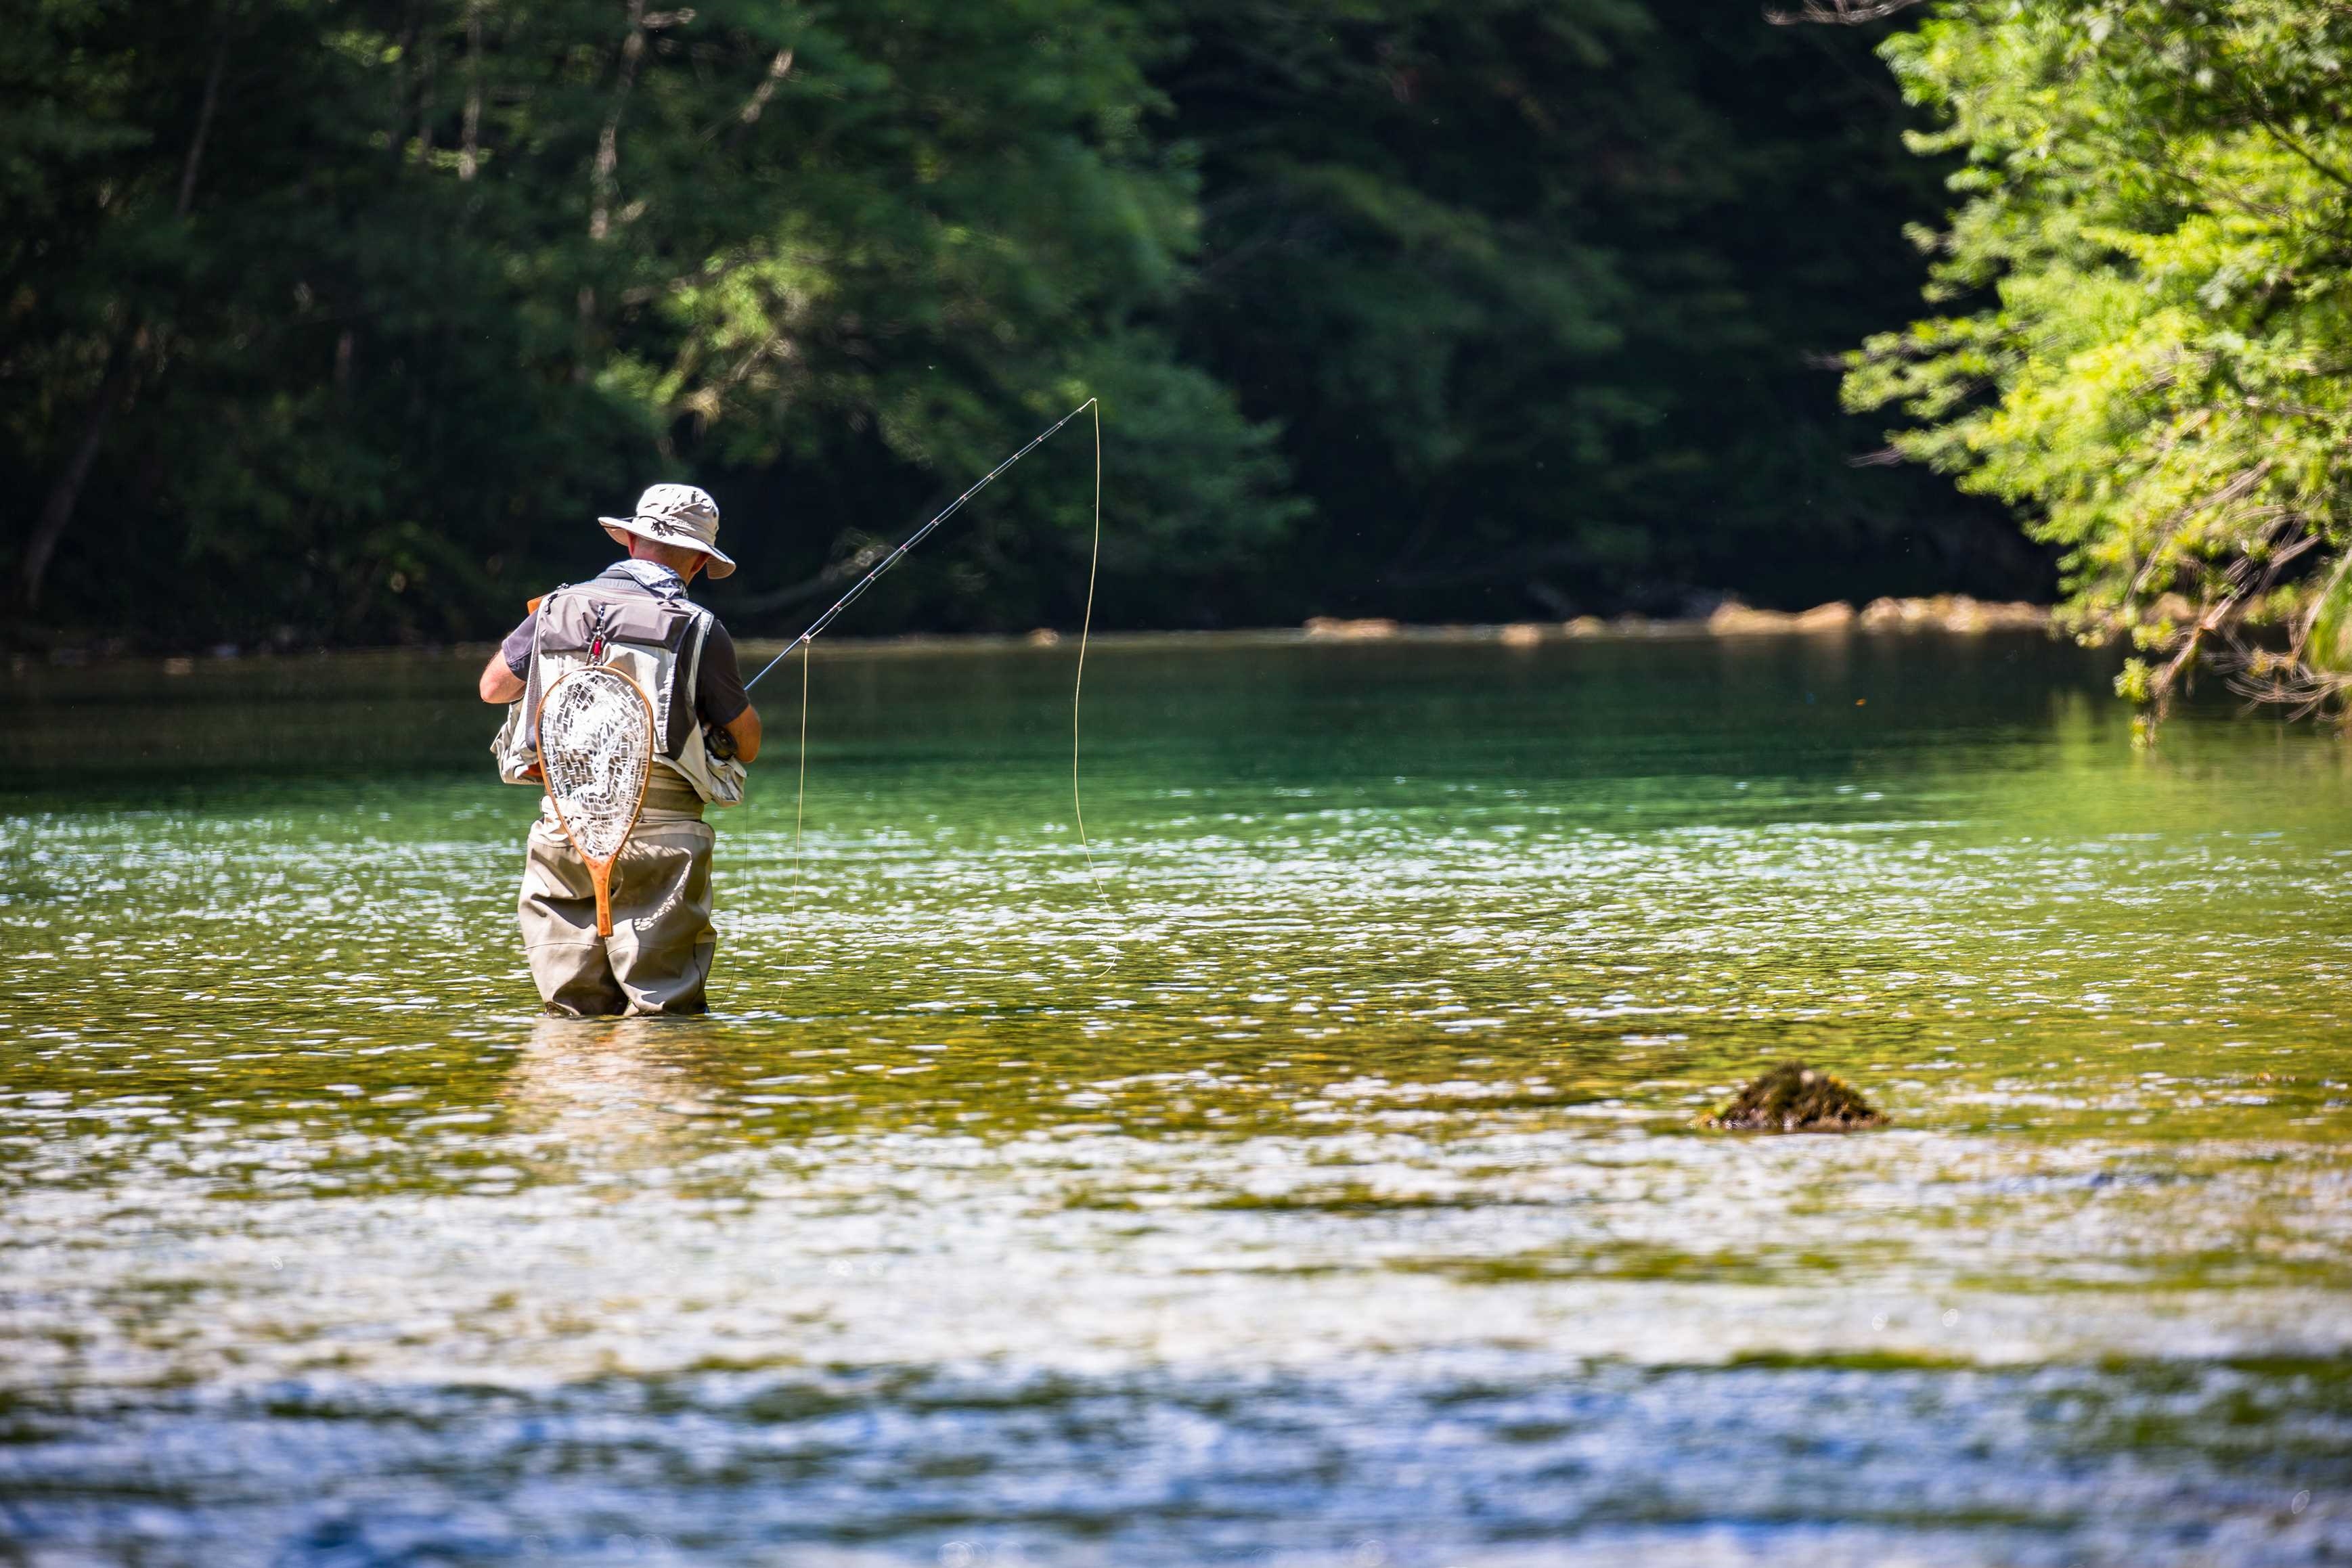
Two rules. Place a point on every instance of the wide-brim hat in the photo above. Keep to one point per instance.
(677, 515)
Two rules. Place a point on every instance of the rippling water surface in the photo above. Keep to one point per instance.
(1324, 1191)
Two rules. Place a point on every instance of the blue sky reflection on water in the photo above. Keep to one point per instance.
(1329, 1193)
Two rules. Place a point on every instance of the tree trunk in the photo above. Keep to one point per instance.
(469, 132)
(65, 493)
(608, 139)
(404, 52)
(428, 103)
(203, 128)
(603, 177)
(57, 507)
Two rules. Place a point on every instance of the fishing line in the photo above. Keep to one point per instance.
(800, 794)
(1077, 687)
(802, 643)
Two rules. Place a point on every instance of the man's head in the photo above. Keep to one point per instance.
(677, 557)
(679, 519)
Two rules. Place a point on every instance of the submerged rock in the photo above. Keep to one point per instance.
(1794, 1098)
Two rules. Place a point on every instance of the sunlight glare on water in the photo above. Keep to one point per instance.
(1326, 1193)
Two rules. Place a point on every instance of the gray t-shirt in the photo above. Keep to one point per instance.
(719, 695)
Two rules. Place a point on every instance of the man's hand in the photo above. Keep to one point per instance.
(743, 729)
(498, 684)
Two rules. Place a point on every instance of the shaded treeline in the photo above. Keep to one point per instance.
(338, 321)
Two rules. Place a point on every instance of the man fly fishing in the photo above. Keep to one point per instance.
(697, 731)
(627, 708)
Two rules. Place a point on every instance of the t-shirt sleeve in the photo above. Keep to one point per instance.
(516, 648)
(719, 692)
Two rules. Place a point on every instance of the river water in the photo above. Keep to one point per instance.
(1324, 1189)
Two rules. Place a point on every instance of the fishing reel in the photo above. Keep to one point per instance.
(719, 743)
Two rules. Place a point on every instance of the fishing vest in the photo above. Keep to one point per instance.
(656, 640)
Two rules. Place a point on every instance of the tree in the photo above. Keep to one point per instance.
(2149, 276)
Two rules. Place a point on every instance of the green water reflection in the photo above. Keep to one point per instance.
(1372, 1069)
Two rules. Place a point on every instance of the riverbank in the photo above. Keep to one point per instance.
(1945, 612)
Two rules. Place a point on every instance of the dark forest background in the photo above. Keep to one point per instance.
(337, 322)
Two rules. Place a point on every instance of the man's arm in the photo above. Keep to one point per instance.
(502, 678)
(744, 730)
(499, 683)
(718, 689)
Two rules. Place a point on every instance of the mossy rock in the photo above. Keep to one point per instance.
(1794, 1098)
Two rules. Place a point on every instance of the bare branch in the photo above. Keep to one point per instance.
(777, 69)
(2238, 487)
(1839, 12)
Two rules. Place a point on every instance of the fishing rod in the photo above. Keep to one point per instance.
(805, 642)
(911, 541)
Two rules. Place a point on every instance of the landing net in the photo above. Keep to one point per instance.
(596, 749)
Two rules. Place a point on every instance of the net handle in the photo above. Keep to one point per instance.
(600, 872)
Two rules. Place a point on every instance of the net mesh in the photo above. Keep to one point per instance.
(596, 748)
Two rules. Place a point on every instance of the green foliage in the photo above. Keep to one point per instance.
(2328, 646)
(338, 321)
(2151, 270)
(455, 276)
